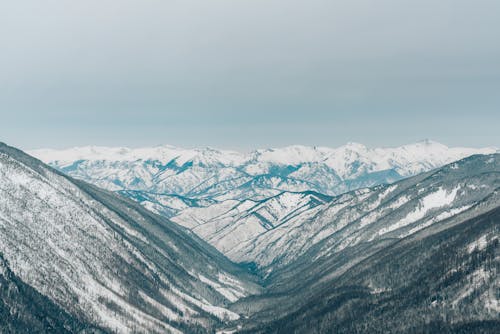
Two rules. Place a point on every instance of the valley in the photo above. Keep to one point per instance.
(284, 260)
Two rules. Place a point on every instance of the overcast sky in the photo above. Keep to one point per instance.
(243, 74)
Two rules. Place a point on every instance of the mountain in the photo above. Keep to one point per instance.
(437, 281)
(91, 258)
(232, 224)
(216, 175)
(166, 205)
(422, 255)
(419, 255)
(274, 232)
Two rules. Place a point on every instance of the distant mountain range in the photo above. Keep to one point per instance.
(167, 179)
(421, 254)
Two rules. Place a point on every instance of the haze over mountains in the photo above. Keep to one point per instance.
(418, 255)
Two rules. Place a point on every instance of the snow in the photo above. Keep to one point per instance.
(230, 294)
(259, 218)
(481, 243)
(282, 227)
(491, 302)
(437, 199)
(477, 278)
(219, 312)
(66, 244)
(221, 173)
(164, 310)
(233, 226)
(440, 198)
(291, 155)
(440, 217)
(227, 331)
(163, 153)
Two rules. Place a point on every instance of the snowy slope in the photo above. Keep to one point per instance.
(221, 175)
(24, 310)
(275, 232)
(443, 279)
(231, 224)
(425, 250)
(105, 259)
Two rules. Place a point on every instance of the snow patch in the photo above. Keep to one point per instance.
(437, 199)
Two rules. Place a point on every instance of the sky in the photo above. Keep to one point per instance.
(249, 73)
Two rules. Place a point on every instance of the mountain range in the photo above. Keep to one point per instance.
(167, 179)
(239, 202)
(180, 243)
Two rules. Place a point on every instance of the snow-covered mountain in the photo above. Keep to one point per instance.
(25, 310)
(220, 175)
(275, 232)
(78, 259)
(265, 207)
(443, 279)
(107, 261)
(425, 250)
(231, 224)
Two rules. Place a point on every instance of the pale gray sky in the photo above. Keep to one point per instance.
(249, 73)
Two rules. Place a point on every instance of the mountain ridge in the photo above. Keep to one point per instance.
(105, 259)
(293, 154)
(216, 175)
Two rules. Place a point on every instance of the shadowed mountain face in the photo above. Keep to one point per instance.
(420, 255)
(107, 261)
